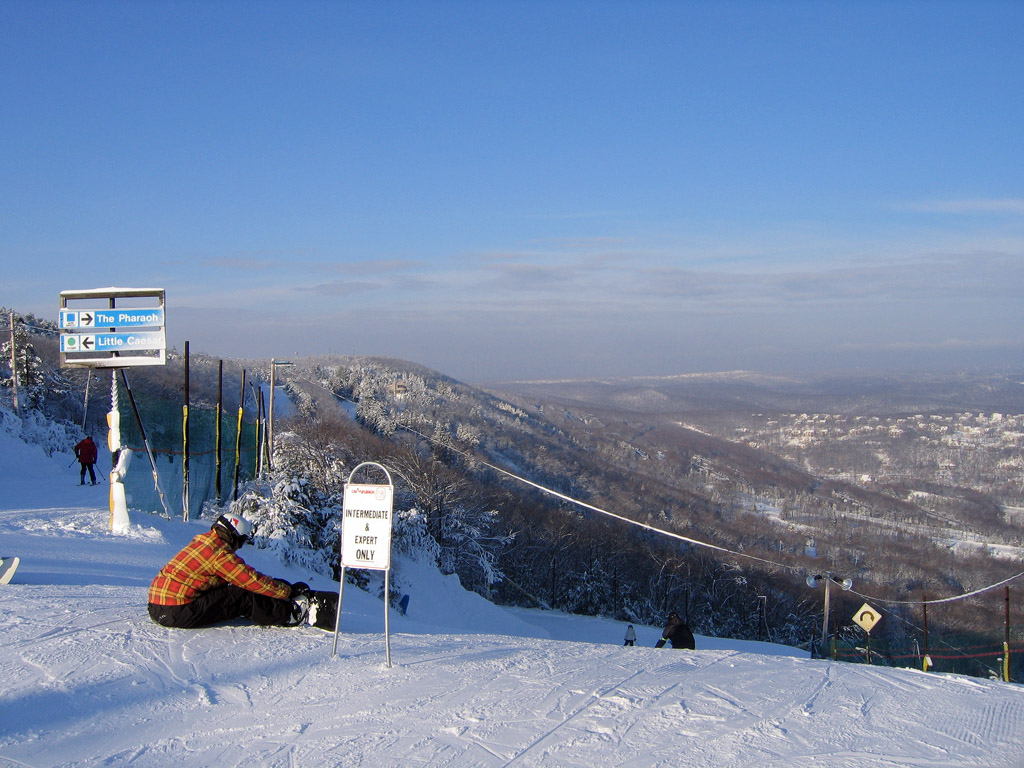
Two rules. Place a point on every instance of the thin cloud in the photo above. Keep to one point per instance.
(1001, 206)
(259, 259)
(344, 288)
(247, 262)
(943, 345)
(927, 277)
(371, 266)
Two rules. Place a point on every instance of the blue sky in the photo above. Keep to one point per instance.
(507, 190)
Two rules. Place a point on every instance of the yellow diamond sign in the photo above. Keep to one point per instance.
(867, 617)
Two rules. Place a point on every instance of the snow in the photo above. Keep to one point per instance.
(88, 680)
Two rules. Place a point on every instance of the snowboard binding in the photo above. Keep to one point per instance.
(323, 610)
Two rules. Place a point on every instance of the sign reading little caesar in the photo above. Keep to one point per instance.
(111, 342)
(366, 527)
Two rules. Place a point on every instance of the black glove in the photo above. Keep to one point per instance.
(299, 588)
(660, 643)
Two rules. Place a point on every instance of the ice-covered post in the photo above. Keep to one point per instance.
(119, 521)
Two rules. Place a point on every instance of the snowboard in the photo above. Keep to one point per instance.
(8, 565)
(323, 610)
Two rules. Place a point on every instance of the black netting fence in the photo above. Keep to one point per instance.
(211, 469)
(965, 654)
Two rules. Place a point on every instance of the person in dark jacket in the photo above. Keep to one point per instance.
(206, 582)
(677, 633)
(86, 454)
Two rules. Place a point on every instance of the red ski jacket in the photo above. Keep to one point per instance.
(86, 451)
(207, 562)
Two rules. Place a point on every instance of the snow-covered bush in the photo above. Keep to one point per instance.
(411, 537)
(35, 428)
(39, 385)
(471, 547)
(296, 522)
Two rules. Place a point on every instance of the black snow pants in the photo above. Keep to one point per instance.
(222, 604)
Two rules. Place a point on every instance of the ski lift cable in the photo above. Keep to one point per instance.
(41, 329)
(964, 596)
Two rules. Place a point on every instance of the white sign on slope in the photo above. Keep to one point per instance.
(366, 527)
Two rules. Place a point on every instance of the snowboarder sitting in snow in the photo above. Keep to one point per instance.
(207, 582)
(677, 633)
(86, 454)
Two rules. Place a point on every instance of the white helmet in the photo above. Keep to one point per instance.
(238, 529)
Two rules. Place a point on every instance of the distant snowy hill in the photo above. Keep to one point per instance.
(88, 680)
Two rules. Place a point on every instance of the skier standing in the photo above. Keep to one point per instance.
(206, 582)
(630, 636)
(85, 452)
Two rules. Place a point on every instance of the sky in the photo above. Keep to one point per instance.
(528, 190)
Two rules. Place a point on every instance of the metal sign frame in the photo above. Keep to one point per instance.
(366, 526)
(84, 344)
(90, 338)
(374, 561)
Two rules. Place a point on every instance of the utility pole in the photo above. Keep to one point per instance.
(828, 578)
(14, 367)
(220, 411)
(185, 504)
(270, 426)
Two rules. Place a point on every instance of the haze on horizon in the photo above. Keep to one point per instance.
(525, 190)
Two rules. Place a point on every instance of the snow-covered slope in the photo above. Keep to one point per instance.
(88, 680)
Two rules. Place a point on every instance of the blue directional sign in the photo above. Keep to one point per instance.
(98, 333)
(112, 318)
(112, 342)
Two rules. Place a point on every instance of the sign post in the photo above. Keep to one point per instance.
(366, 539)
(867, 617)
(97, 333)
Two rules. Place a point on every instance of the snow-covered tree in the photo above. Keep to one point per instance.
(473, 542)
(296, 521)
(30, 376)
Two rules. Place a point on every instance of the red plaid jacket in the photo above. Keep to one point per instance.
(207, 562)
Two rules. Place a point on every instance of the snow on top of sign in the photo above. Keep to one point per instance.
(110, 291)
